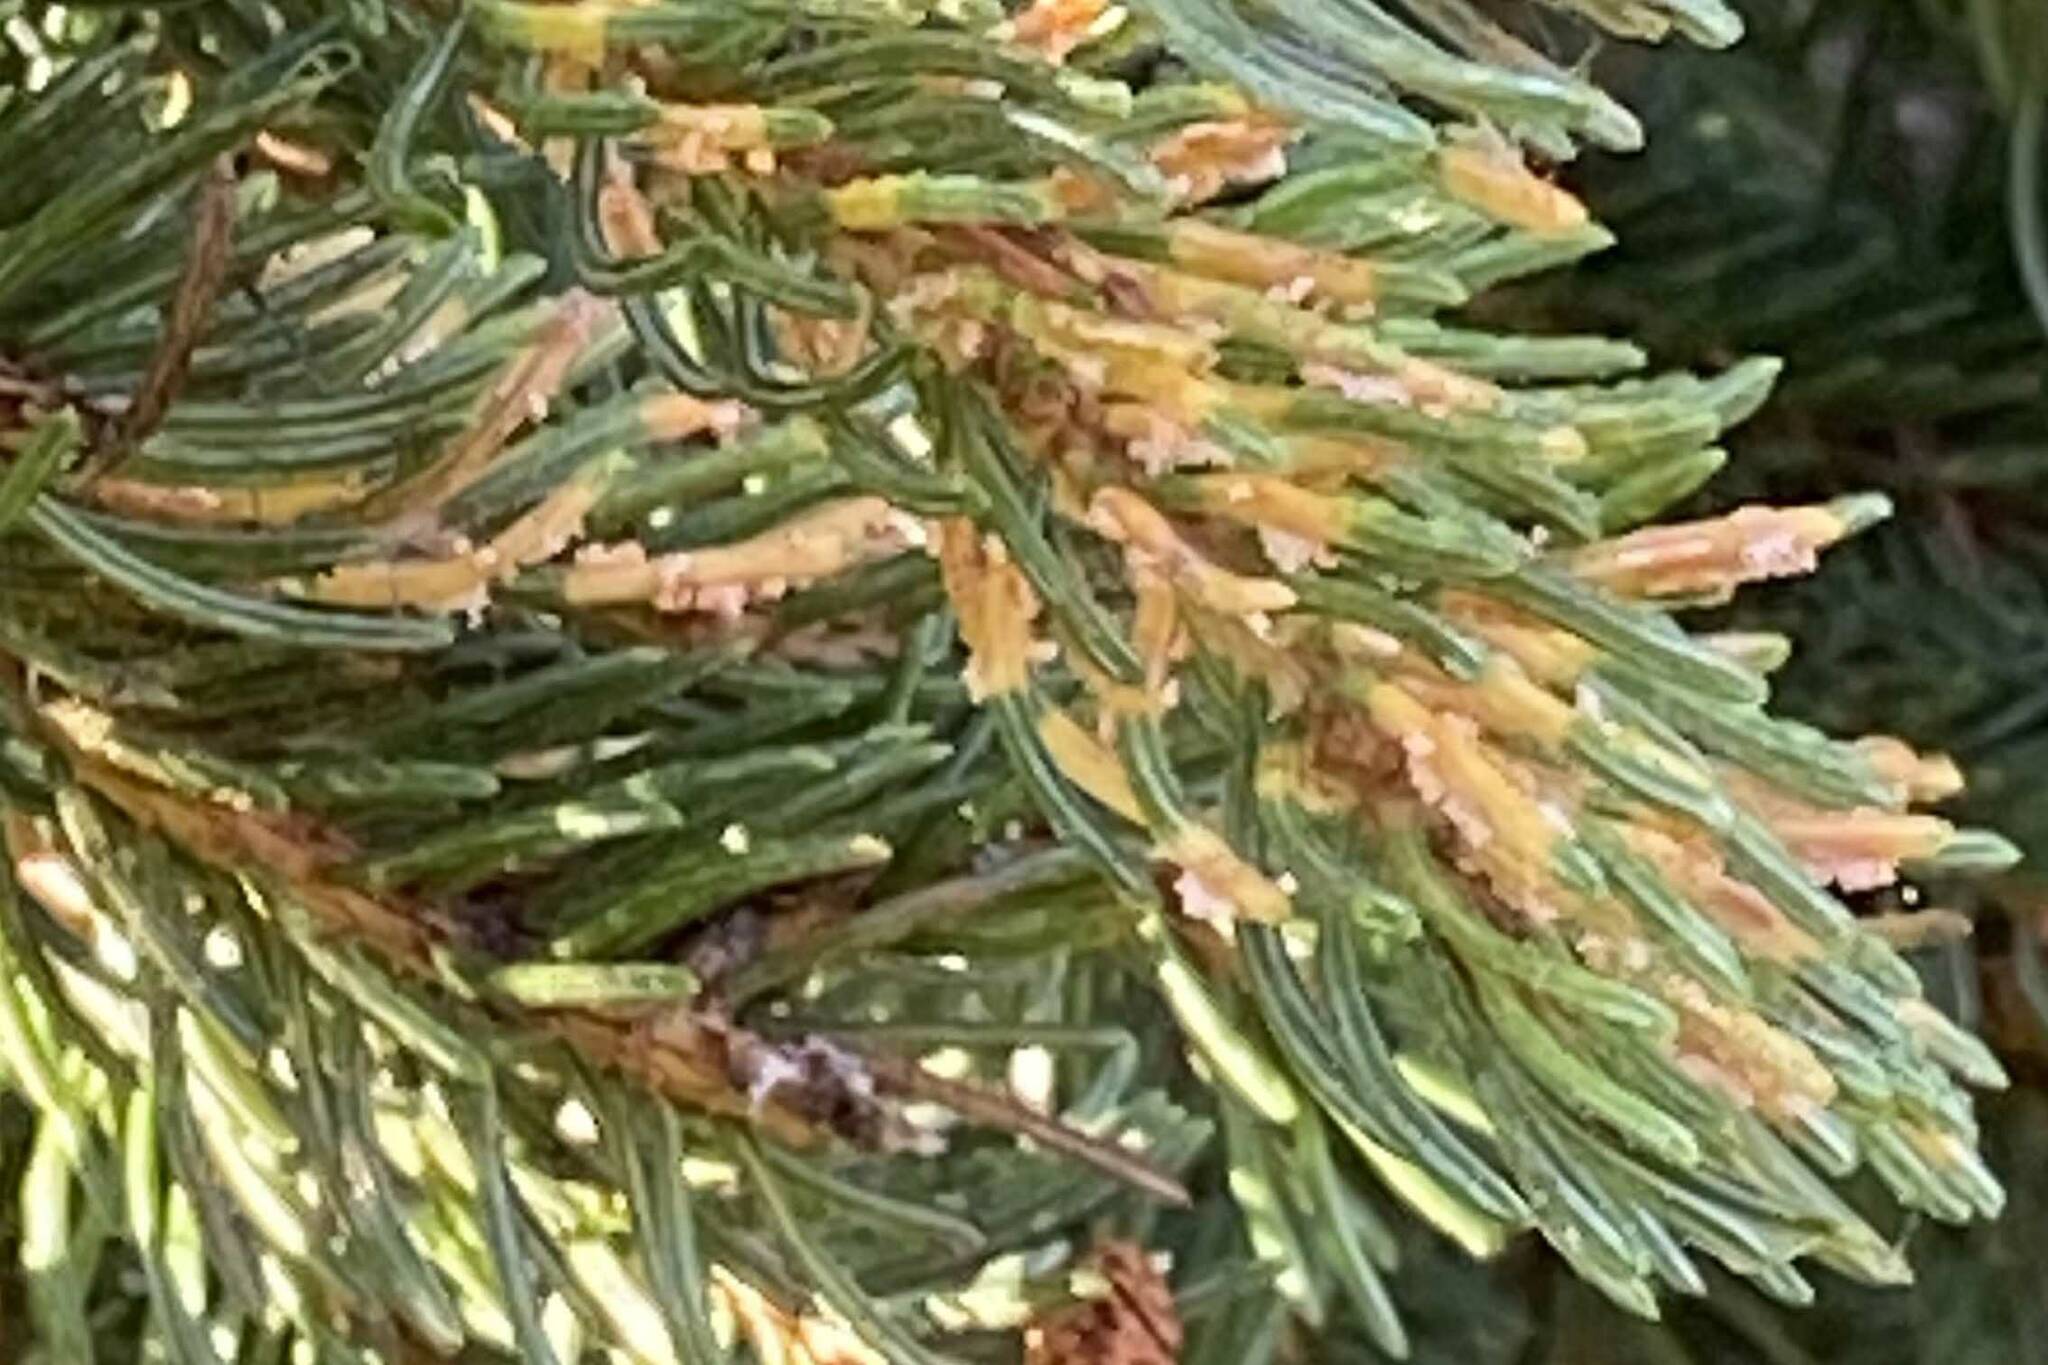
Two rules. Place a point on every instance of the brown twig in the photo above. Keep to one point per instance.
(677, 1054)
(26, 393)
(692, 1057)
(206, 269)
(992, 1109)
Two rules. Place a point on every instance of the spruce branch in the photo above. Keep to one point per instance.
(743, 573)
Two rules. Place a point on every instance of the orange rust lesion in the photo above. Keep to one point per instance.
(1300, 273)
(1201, 160)
(995, 605)
(1156, 631)
(1089, 764)
(724, 579)
(1689, 862)
(1918, 778)
(296, 851)
(462, 581)
(1858, 849)
(1118, 354)
(824, 347)
(1491, 176)
(704, 139)
(1151, 540)
(1328, 461)
(1269, 502)
(1218, 882)
(1269, 652)
(625, 218)
(1506, 827)
(1502, 699)
(1748, 1059)
(278, 504)
(1711, 558)
(1335, 359)
(1054, 28)
(1553, 655)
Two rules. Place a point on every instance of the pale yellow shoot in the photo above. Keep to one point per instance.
(825, 540)
(995, 606)
(1089, 764)
(1125, 517)
(1713, 557)
(1495, 180)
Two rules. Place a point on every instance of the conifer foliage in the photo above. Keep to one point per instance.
(846, 680)
(1875, 166)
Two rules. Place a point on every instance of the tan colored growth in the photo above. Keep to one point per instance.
(723, 580)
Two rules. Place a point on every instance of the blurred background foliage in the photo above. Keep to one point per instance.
(1859, 188)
